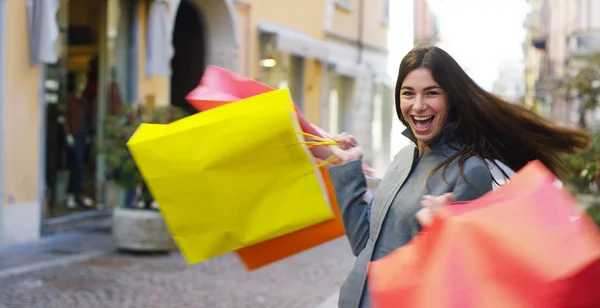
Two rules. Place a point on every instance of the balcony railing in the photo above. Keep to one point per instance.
(584, 43)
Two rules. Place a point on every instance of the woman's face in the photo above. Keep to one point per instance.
(424, 104)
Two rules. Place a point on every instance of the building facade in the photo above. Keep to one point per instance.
(358, 90)
(532, 57)
(332, 55)
(426, 31)
(562, 32)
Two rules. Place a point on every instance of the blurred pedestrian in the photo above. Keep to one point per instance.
(77, 127)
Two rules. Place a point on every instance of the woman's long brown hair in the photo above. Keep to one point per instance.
(486, 125)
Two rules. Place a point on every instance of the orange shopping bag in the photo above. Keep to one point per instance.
(526, 244)
(279, 248)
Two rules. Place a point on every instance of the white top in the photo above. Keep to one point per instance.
(497, 174)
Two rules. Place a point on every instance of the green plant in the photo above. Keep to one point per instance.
(594, 212)
(585, 168)
(584, 86)
(119, 163)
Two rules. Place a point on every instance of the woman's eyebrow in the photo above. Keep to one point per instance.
(426, 88)
(432, 87)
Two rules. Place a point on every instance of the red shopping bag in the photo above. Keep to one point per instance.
(526, 244)
(220, 86)
(279, 248)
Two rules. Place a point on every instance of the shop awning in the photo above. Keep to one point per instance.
(159, 37)
(355, 70)
(43, 30)
(296, 42)
(346, 69)
(385, 79)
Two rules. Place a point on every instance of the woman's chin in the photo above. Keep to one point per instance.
(425, 136)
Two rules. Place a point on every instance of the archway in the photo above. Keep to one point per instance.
(203, 33)
(189, 59)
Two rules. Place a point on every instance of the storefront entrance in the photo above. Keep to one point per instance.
(71, 87)
(91, 79)
(98, 70)
(189, 59)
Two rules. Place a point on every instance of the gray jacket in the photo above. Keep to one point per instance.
(388, 223)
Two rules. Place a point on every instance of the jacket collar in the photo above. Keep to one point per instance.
(443, 138)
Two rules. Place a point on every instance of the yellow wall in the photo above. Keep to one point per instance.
(245, 32)
(374, 31)
(313, 82)
(306, 16)
(156, 87)
(21, 110)
(346, 22)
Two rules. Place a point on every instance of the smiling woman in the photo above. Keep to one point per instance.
(483, 124)
(454, 126)
(424, 104)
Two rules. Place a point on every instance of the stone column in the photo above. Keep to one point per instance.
(225, 57)
(325, 89)
(363, 113)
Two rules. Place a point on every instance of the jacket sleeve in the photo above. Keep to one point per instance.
(477, 181)
(350, 187)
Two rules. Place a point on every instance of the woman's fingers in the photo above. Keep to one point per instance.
(435, 203)
(351, 154)
(424, 217)
(352, 141)
(341, 140)
(430, 206)
(345, 141)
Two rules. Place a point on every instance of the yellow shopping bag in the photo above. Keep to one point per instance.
(232, 176)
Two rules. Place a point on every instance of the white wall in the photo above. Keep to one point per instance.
(21, 223)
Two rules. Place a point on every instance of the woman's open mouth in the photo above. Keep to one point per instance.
(422, 124)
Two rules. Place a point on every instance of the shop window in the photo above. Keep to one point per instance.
(340, 104)
(344, 4)
(125, 53)
(279, 69)
(385, 14)
(74, 107)
(382, 122)
(334, 107)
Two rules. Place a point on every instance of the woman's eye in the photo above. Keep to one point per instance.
(407, 93)
(432, 93)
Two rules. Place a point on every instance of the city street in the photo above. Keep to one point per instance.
(112, 279)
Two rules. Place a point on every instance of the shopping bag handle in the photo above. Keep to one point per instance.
(321, 142)
(321, 139)
(329, 161)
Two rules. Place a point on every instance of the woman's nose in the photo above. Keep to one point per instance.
(419, 104)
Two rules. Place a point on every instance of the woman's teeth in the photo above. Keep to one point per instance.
(422, 118)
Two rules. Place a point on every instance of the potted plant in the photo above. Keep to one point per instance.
(137, 223)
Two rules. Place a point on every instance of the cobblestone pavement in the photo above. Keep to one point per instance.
(130, 281)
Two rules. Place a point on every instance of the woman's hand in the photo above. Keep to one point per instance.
(430, 206)
(348, 149)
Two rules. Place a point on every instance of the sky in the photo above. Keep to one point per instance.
(483, 36)
(480, 34)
